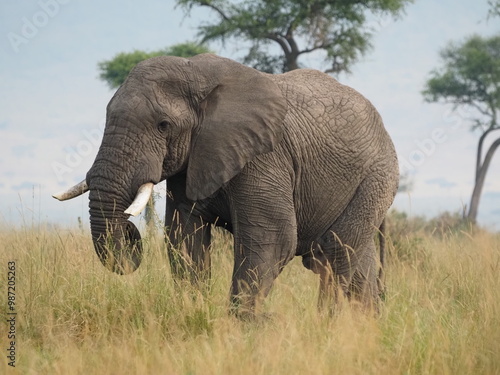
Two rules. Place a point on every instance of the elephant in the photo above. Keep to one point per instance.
(292, 164)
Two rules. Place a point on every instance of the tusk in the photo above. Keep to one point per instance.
(73, 192)
(141, 199)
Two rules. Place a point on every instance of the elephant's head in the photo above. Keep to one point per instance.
(205, 117)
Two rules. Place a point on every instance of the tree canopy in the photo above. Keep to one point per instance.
(297, 27)
(494, 8)
(114, 71)
(470, 76)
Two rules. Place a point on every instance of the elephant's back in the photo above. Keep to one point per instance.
(328, 105)
(328, 120)
(334, 139)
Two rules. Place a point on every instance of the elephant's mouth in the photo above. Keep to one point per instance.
(141, 199)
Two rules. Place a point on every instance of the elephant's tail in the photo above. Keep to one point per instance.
(381, 276)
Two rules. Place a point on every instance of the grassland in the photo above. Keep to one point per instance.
(441, 314)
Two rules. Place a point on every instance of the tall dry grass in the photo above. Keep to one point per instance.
(441, 314)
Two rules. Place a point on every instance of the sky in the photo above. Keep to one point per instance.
(52, 102)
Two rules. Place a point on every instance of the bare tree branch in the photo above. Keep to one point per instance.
(216, 8)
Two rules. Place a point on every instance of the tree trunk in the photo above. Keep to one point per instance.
(478, 187)
(293, 54)
(480, 150)
(291, 62)
(149, 215)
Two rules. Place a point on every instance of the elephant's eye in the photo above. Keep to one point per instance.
(162, 126)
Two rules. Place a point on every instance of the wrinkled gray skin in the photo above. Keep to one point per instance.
(291, 164)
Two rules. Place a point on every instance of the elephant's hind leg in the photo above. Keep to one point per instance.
(364, 285)
(349, 250)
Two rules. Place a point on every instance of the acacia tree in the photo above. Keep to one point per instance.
(470, 77)
(494, 8)
(115, 71)
(298, 27)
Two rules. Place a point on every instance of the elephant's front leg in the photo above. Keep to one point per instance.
(260, 255)
(265, 239)
(189, 248)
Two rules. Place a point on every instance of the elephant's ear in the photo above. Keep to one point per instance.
(243, 117)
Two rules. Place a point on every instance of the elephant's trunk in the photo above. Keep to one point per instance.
(120, 169)
(117, 241)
